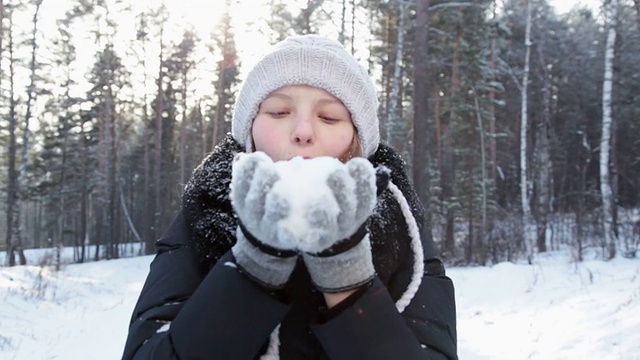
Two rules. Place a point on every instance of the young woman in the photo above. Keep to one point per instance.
(359, 280)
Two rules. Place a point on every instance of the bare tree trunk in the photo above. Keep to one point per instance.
(605, 142)
(492, 108)
(394, 121)
(1, 35)
(437, 120)
(116, 221)
(448, 159)
(544, 178)
(353, 25)
(127, 216)
(12, 188)
(107, 166)
(202, 130)
(147, 217)
(544, 160)
(61, 208)
(147, 213)
(219, 114)
(69, 56)
(483, 181)
(226, 76)
(157, 172)
(584, 164)
(343, 20)
(84, 232)
(421, 128)
(525, 189)
(183, 129)
(101, 194)
(15, 242)
(636, 3)
(304, 19)
(386, 74)
(614, 173)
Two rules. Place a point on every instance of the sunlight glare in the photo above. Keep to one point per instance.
(203, 15)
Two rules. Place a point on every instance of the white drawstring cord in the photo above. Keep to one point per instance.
(273, 351)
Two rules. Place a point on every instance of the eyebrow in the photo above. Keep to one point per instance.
(323, 100)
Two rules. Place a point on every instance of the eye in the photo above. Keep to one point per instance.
(277, 114)
(329, 119)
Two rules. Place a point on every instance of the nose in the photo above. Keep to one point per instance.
(303, 132)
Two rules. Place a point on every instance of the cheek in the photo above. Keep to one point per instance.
(265, 136)
(340, 141)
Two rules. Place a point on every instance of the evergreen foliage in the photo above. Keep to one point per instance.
(113, 142)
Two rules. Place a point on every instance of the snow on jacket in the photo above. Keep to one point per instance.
(196, 305)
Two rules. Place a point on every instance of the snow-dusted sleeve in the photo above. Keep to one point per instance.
(380, 324)
(372, 328)
(186, 311)
(431, 313)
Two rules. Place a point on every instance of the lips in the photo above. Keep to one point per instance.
(301, 156)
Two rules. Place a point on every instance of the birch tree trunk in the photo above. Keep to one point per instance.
(605, 141)
(525, 187)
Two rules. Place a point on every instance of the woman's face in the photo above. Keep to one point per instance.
(300, 120)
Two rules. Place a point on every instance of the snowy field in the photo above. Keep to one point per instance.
(554, 309)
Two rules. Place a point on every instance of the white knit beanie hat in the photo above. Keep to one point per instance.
(315, 61)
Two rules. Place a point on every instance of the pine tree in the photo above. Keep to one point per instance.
(17, 176)
(227, 73)
(421, 92)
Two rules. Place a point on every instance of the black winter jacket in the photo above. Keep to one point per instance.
(196, 305)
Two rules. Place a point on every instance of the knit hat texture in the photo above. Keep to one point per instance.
(315, 61)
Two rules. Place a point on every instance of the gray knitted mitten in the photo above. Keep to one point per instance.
(256, 252)
(317, 207)
(343, 261)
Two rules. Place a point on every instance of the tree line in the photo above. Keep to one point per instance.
(519, 125)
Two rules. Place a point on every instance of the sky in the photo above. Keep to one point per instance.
(203, 15)
(553, 309)
(563, 6)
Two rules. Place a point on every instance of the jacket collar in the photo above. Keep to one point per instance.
(212, 221)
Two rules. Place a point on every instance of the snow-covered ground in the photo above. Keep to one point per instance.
(554, 309)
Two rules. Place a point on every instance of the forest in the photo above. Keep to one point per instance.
(519, 124)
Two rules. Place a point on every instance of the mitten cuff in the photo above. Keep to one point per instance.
(342, 272)
(272, 272)
(270, 250)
